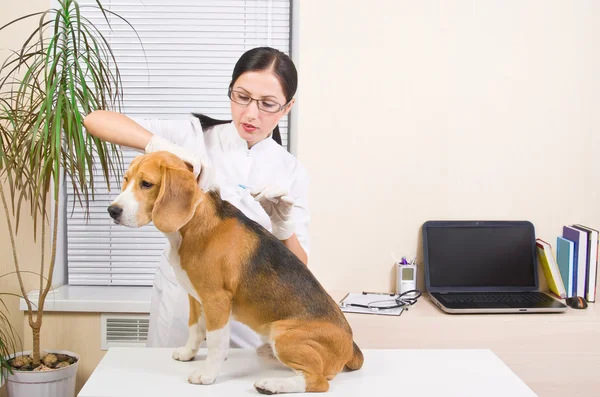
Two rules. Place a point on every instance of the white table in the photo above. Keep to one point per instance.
(152, 372)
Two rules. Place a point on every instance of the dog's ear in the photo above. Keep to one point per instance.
(189, 166)
(176, 201)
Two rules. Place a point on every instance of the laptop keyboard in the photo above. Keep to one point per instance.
(511, 297)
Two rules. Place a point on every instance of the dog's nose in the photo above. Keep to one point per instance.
(115, 211)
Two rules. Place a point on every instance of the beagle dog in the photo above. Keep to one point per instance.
(233, 267)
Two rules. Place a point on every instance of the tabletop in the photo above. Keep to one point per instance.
(387, 372)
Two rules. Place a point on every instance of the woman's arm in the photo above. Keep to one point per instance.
(299, 242)
(174, 136)
(288, 211)
(293, 245)
(117, 128)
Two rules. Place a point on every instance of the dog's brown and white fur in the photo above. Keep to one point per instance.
(231, 266)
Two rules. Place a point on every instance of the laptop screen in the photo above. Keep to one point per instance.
(480, 255)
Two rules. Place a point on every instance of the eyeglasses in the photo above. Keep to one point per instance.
(266, 105)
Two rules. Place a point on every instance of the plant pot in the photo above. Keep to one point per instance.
(54, 383)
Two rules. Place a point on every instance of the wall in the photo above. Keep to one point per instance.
(413, 111)
(29, 254)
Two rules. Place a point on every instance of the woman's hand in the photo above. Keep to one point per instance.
(158, 143)
(278, 205)
(200, 166)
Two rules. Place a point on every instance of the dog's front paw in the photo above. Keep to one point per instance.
(201, 377)
(183, 354)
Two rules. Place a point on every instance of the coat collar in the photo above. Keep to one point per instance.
(233, 140)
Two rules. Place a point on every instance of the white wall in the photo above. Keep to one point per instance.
(419, 110)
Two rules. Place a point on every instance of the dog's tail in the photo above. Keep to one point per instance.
(357, 359)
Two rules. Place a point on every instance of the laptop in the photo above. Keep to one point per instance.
(484, 267)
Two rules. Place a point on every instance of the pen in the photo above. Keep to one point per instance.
(244, 187)
(378, 293)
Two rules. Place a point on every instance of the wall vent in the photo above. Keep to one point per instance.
(124, 330)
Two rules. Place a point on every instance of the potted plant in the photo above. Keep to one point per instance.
(64, 70)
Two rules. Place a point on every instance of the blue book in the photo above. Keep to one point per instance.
(564, 258)
(579, 238)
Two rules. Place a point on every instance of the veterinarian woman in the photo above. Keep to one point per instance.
(244, 151)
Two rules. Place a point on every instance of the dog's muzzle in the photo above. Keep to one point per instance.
(115, 211)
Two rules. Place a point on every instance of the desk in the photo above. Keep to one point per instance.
(554, 354)
(152, 373)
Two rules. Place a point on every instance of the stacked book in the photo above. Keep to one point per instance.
(572, 272)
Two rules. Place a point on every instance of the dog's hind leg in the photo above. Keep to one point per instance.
(293, 350)
(266, 351)
(197, 332)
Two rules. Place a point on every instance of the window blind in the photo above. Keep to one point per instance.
(189, 50)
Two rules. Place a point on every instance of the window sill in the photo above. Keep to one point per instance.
(97, 299)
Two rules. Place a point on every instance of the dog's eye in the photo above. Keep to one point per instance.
(146, 185)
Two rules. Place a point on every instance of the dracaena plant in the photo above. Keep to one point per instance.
(63, 71)
(9, 341)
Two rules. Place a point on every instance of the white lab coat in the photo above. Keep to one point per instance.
(265, 163)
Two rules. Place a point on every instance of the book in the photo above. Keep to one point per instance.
(592, 262)
(551, 270)
(586, 263)
(579, 258)
(565, 252)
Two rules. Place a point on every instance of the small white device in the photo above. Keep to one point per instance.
(406, 277)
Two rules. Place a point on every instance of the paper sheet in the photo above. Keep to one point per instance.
(373, 299)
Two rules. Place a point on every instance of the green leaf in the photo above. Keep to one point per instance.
(64, 70)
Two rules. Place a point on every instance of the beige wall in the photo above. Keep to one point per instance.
(29, 253)
(411, 111)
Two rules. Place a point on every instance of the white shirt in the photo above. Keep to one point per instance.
(266, 163)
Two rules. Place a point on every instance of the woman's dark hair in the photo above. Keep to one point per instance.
(257, 59)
